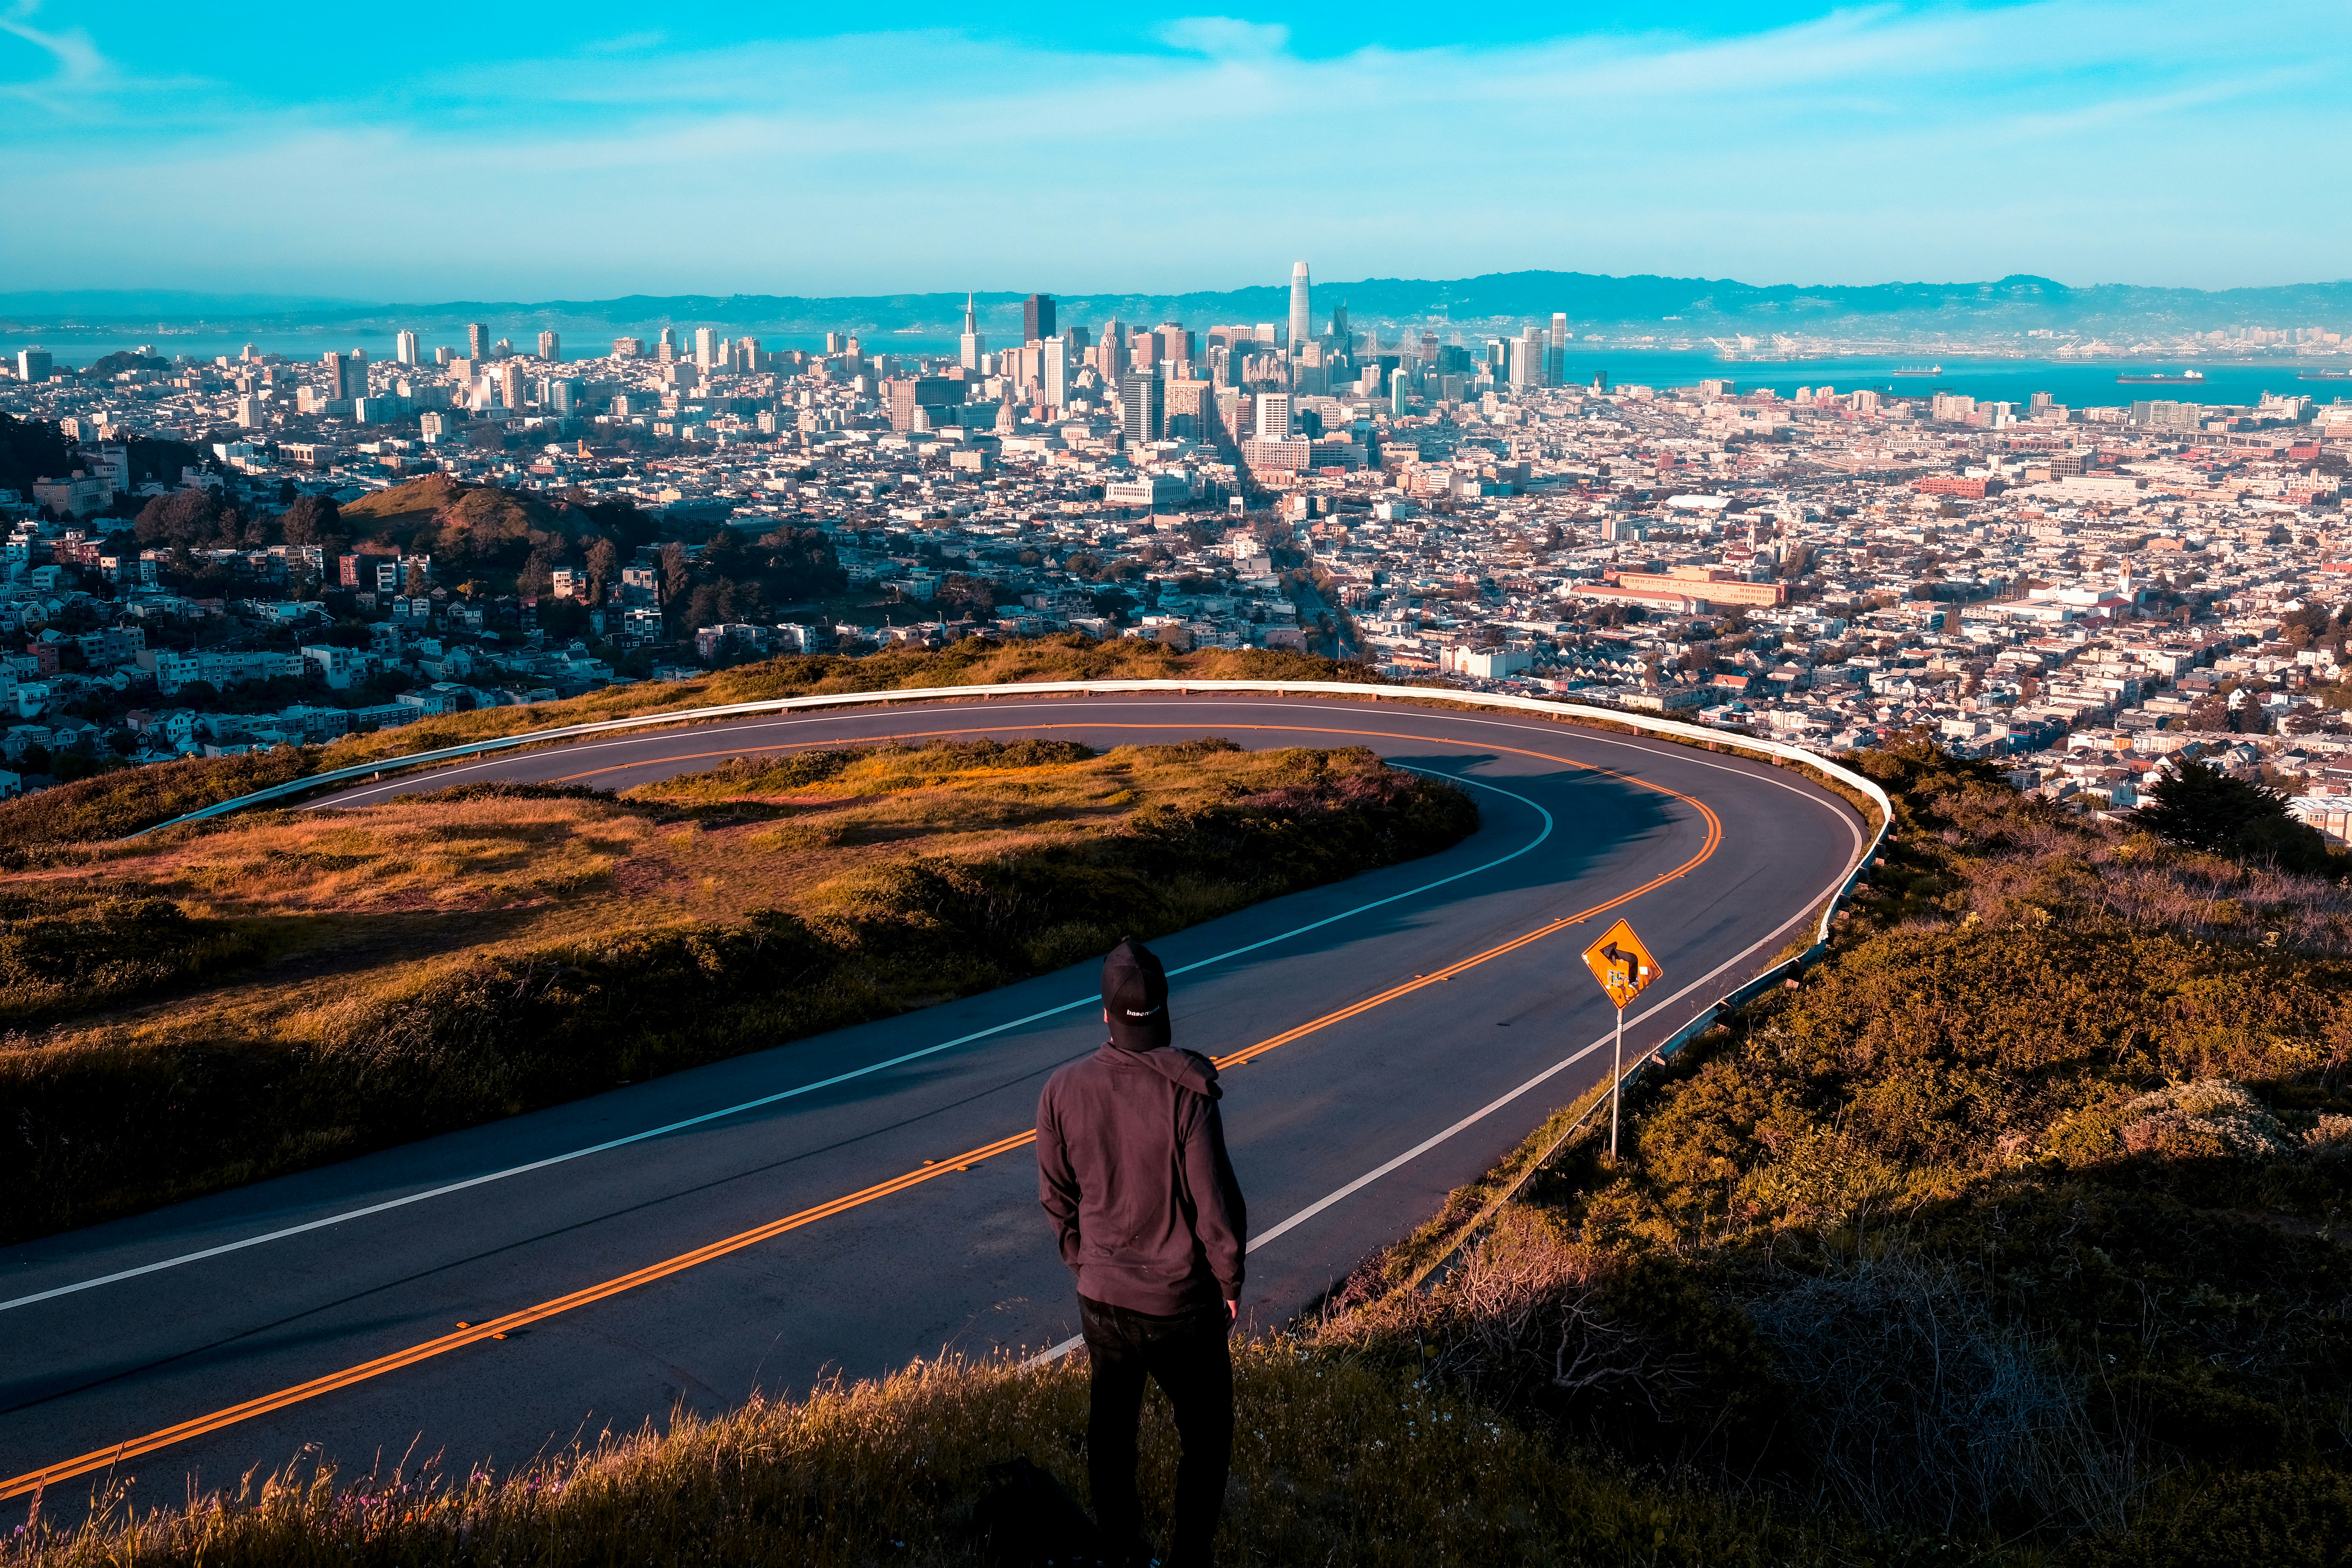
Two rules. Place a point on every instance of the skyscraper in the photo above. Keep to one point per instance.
(666, 350)
(913, 394)
(1036, 317)
(1527, 358)
(1111, 356)
(1273, 415)
(1301, 316)
(1057, 371)
(404, 347)
(1142, 406)
(1556, 367)
(974, 344)
(706, 348)
(346, 376)
(551, 346)
(477, 340)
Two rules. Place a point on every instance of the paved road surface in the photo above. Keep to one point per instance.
(1721, 858)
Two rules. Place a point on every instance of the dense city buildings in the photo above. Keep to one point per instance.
(2083, 591)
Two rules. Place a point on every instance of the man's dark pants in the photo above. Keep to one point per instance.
(1187, 1355)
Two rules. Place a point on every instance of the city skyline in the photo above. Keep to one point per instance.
(2069, 138)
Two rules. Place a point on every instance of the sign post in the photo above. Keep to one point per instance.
(1625, 969)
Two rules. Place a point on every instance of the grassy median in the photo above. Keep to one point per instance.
(128, 800)
(215, 1005)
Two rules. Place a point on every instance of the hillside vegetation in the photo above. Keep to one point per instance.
(2022, 1222)
(113, 804)
(230, 1001)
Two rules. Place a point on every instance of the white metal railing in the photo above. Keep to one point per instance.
(1667, 729)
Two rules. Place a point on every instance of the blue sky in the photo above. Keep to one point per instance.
(531, 151)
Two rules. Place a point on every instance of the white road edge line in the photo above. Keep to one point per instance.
(611, 1144)
(1056, 1353)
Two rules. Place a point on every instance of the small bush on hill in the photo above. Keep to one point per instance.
(72, 949)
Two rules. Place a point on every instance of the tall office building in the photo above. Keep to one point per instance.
(346, 375)
(973, 343)
(746, 354)
(1274, 415)
(1192, 410)
(1527, 358)
(1142, 406)
(1110, 355)
(551, 346)
(1556, 367)
(511, 393)
(666, 350)
(706, 349)
(912, 399)
(33, 365)
(1301, 315)
(1036, 317)
(477, 340)
(404, 347)
(1058, 372)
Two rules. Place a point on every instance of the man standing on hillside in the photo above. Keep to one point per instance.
(1131, 1168)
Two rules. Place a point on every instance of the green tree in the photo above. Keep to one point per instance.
(2199, 806)
(309, 518)
(604, 568)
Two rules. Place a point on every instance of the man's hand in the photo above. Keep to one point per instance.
(1232, 1310)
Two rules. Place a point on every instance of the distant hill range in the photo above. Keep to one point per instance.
(1680, 305)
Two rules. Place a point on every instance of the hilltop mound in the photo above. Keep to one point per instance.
(465, 527)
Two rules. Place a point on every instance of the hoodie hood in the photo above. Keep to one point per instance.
(1185, 1069)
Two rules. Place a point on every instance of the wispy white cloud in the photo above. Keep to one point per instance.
(1226, 37)
(2081, 138)
(74, 64)
(628, 43)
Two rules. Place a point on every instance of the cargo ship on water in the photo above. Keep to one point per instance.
(1917, 370)
(2323, 375)
(2159, 378)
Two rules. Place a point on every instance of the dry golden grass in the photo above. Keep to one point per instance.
(370, 903)
(1336, 1460)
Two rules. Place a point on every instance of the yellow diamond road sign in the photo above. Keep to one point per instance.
(1622, 964)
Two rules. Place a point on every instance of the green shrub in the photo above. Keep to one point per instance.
(72, 950)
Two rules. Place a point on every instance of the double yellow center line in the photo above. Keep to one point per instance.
(499, 1328)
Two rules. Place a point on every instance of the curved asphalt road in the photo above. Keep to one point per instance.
(1715, 859)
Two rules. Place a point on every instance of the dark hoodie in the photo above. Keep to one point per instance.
(1131, 1168)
